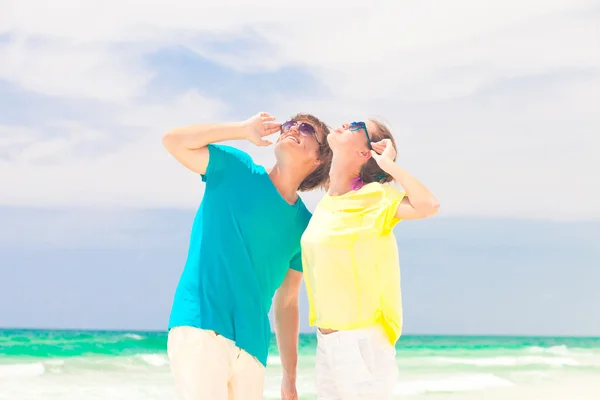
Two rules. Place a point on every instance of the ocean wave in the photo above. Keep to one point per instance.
(133, 336)
(136, 362)
(531, 376)
(412, 387)
(60, 344)
(156, 360)
(561, 350)
(459, 383)
(21, 370)
(54, 363)
(510, 361)
(273, 360)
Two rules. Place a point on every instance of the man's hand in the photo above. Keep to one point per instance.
(288, 389)
(259, 126)
(287, 327)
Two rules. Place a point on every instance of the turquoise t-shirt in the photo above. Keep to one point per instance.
(244, 238)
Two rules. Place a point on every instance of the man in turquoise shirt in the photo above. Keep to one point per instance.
(244, 249)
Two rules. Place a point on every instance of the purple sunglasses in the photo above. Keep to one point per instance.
(304, 128)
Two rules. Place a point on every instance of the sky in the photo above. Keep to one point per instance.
(73, 268)
(494, 106)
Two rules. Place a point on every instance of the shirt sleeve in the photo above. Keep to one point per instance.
(296, 263)
(226, 161)
(392, 199)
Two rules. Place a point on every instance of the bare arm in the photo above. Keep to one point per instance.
(419, 202)
(287, 327)
(188, 144)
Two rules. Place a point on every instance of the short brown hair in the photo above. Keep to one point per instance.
(320, 176)
(370, 171)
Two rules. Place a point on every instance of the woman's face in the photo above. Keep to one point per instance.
(352, 137)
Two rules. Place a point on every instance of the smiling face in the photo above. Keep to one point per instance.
(300, 139)
(303, 144)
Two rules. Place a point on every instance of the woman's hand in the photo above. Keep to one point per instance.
(384, 153)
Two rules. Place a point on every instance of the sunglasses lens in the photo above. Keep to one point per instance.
(306, 129)
(303, 128)
(357, 125)
(287, 125)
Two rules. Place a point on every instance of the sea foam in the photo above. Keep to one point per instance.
(133, 336)
(156, 360)
(21, 370)
(561, 350)
(273, 360)
(412, 387)
(455, 383)
(510, 361)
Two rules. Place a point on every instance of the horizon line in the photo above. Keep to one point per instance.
(159, 331)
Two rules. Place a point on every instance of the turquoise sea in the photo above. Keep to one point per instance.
(49, 364)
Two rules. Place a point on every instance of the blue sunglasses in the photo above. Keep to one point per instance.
(356, 126)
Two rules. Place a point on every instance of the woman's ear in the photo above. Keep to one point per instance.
(365, 154)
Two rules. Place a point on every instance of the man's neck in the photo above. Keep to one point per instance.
(340, 179)
(287, 182)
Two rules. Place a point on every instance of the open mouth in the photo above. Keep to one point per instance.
(293, 138)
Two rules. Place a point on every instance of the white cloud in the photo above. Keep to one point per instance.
(138, 172)
(14, 136)
(187, 108)
(494, 103)
(67, 70)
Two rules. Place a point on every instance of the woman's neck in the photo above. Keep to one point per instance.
(341, 178)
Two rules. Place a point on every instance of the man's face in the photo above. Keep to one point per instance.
(300, 141)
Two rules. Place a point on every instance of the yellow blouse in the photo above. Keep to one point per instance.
(350, 261)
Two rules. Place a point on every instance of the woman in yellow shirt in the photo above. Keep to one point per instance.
(350, 262)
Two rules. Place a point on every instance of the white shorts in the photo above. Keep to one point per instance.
(206, 365)
(355, 364)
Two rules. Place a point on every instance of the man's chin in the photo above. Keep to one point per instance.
(286, 144)
(287, 151)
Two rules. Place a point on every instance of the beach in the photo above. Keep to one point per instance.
(44, 364)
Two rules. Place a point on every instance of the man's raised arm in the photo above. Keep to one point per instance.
(188, 144)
